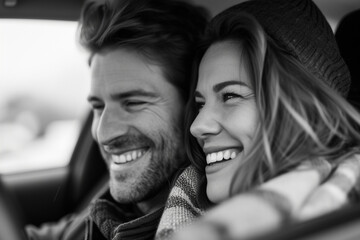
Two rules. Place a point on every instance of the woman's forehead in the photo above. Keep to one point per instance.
(222, 62)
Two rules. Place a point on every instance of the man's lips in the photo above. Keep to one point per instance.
(128, 156)
(121, 156)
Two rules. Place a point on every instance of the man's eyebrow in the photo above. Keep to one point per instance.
(132, 93)
(218, 87)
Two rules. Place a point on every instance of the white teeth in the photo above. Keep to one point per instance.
(122, 158)
(227, 154)
(128, 156)
(208, 158)
(213, 157)
(116, 159)
(220, 156)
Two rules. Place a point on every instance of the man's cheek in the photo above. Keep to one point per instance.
(173, 115)
(156, 117)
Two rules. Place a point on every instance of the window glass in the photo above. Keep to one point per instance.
(44, 80)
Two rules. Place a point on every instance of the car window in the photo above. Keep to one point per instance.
(44, 81)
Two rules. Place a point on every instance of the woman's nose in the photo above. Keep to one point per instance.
(206, 123)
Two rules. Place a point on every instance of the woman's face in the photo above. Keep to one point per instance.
(227, 117)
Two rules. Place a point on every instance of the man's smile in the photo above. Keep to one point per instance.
(128, 156)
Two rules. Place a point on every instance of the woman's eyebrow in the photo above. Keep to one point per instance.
(218, 87)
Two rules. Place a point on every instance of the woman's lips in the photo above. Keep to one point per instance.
(222, 155)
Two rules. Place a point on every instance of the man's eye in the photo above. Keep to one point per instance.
(134, 105)
(97, 106)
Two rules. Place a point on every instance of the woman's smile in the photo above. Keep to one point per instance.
(222, 155)
(228, 159)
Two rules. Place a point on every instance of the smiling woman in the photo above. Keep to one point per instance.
(281, 102)
(266, 122)
(226, 103)
(44, 81)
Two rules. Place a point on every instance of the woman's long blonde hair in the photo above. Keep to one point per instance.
(301, 117)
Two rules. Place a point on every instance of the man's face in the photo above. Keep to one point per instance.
(137, 119)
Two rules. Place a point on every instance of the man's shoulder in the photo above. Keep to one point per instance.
(70, 227)
(117, 221)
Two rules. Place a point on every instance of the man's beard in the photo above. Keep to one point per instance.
(167, 155)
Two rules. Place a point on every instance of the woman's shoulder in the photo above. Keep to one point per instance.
(182, 206)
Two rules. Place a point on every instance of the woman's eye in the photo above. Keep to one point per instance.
(199, 105)
(229, 96)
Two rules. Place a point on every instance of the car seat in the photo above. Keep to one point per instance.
(347, 36)
(88, 175)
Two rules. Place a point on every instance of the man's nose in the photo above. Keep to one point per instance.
(206, 123)
(113, 123)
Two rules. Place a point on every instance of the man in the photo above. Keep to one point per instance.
(140, 59)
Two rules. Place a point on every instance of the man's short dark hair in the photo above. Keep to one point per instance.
(164, 31)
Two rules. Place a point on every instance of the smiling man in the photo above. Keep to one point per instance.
(140, 59)
(140, 64)
(137, 120)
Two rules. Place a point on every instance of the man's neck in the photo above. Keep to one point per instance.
(153, 204)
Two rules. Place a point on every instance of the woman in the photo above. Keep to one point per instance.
(266, 100)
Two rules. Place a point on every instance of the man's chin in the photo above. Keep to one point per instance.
(132, 194)
(123, 194)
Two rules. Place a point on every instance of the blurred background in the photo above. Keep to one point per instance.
(44, 82)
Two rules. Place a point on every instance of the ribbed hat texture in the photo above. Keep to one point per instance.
(301, 28)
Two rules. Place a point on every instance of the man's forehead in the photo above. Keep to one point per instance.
(124, 67)
(115, 85)
(120, 61)
(128, 56)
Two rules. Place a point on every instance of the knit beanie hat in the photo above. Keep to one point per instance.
(300, 28)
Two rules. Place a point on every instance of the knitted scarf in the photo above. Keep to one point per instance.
(121, 221)
(182, 206)
(312, 189)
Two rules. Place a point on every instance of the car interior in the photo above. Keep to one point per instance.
(46, 195)
(348, 37)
